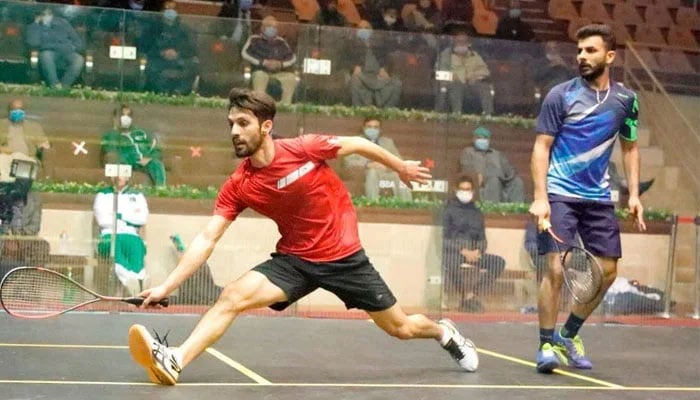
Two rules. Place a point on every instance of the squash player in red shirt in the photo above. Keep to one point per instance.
(289, 181)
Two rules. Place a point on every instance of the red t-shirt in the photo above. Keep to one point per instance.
(302, 194)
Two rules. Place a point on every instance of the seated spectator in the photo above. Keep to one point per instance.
(19, 135)
(329, 15)
(172, 57)
(59, 47)
(129, 144)
(242, 13)
(366, 59)
(349, 10)
(377, 176)
(552, 69)
(511, 27)
(130, 249)
(499, 180)
(22, 246)
(422, 16)
(464, 248)
(390, 19)
(271, 57)
(470, 76)
(305, 10)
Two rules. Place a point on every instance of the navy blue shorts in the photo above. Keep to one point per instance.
(594, 222)
(353, 279)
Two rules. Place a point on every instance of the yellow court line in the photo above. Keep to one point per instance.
(366, 385)
(63, 346)
(556, 371)
(238, 366)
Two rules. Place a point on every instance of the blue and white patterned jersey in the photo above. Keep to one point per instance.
(585, 124)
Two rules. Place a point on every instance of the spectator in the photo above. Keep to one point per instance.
(376, 175)
(328, 14)
(130, 248)
(370, 82)
(499, 180)
(553, 69)
(19, 135)
(242, 12)
(59, 46)
(132, 145)
(512, 27)
(390, 19)
(464, 248)
(470, 75)
(271, 57)
(24, 246)
(172, 58)
(422, 16)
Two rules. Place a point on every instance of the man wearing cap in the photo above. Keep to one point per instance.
(499, 179)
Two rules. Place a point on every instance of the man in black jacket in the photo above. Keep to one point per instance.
(464, 248)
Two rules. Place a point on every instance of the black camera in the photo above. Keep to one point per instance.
(14, 193)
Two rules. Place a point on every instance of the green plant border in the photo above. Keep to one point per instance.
(190, 192)
(193, 100)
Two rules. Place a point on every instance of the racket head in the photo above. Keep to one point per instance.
(582, 273)
(35, 292)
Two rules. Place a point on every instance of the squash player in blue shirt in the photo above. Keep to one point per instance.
(578, 125)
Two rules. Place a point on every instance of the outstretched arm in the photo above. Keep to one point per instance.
(195, 256)
(409, 171)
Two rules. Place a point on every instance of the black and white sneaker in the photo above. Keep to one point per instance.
(460, 348)
(153, 355)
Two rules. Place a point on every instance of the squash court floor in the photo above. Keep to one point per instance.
(83, 356)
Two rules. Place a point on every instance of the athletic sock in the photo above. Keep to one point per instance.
(571, 327)
(546, 336)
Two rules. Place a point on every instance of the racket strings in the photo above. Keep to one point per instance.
(36, 291)
(581, 275)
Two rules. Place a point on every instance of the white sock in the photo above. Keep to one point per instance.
(177, 354)
(446, 335)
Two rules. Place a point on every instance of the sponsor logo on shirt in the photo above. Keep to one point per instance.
(295, 175)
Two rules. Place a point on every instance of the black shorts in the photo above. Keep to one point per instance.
(353, 279)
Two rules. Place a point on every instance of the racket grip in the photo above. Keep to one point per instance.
(137, 301)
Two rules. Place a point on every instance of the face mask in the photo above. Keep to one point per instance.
(372, 133)
(16, 116)
(515, 12)
(461, 49)
(46, 19)
(364, 34)
(465, 196)
(270, 31)
(125, 121)
(481, 144)
(170, 15)
(390, 20)
(245, 4)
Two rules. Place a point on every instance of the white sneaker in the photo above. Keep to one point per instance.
(460, 348)
(153, 355)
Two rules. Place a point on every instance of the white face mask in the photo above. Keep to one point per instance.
(465, 196)
(125, 121)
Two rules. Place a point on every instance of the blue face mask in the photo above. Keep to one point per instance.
(16, 116)
(170, 15)
(270, 32)
(245, 4)
(364, 34)
(481, 144)
(515, 12)
(372, 133)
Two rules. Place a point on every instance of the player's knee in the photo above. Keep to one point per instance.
(403, 332)
(231, 299)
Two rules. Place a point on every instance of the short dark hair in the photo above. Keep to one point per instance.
(372, 118)
(601, 30)
(120, 110)
(257, 102)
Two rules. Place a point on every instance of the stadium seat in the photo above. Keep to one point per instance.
(688, 17)
(220, 65)
(658, 16)
(649, 35)
(674, 61)
(110, 73)
(562, 9)
(14, 55)
(682, 37)
(595, 11)
(627, 14)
